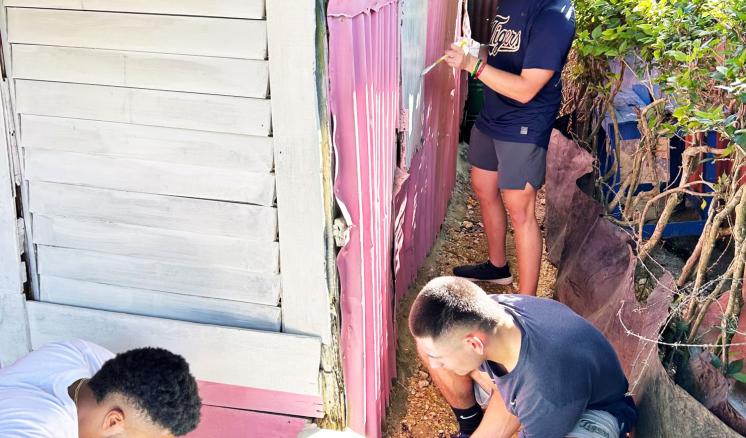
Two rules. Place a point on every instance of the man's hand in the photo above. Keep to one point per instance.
(456, 58)
(497, 421)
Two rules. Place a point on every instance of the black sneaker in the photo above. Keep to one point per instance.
(485, 272)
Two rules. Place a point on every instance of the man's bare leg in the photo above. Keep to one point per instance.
(521, 204)
(485, 185)
(459, 393)
(457, 390)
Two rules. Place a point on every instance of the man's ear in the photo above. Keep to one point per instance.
(476, 343)
(113, 422)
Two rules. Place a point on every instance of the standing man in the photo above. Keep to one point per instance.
(521, 70)
(510, 362)
(76, 389)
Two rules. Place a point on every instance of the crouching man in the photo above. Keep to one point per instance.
(513, 362)
(76, 389)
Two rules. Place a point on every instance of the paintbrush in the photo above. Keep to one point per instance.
(463, 43)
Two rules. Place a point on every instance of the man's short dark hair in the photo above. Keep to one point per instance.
(450, 302)
(157, 382)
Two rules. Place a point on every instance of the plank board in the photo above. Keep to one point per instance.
(149, 177)
(203, 112)
(11, 273)
(14, 337)
(159, 304)
(246, 39)
(298, 168)
(169, 145)
(237, 397)
(154, 243)
(214, 8)
(194, 74)
(215, 282)
(234, 423)
(264, 360)
(167, 212)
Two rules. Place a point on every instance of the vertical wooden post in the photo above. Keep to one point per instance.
(11, 272)
(14, 338)
(303, 168)
(291, 27)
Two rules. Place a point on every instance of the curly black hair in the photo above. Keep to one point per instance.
(158, 382)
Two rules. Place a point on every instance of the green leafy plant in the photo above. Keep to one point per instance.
(691, 56)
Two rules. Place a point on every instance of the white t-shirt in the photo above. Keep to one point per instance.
(34, 402)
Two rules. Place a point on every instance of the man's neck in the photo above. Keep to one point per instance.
(71, 389)
(504, 345)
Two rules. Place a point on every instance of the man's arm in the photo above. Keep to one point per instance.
(497, 421)
(550, 40)
(522, 88)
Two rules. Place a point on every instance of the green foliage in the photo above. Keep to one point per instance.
(692, 51)
(732, 369)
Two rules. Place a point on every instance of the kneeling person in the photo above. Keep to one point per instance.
(76, 389)
(510, 362)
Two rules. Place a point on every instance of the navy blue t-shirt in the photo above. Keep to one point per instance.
(566, 366)
(527, 34)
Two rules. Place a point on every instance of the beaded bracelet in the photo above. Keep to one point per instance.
(476, 67)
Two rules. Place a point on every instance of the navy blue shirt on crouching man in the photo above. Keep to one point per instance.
(566, 366)
(527, 34)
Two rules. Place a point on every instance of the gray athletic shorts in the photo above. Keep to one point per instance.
(516, 163)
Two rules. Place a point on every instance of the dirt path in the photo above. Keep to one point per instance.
(417, 409)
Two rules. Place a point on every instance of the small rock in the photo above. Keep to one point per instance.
(423, 383)
(642, 281)
(481, 225)
(423, 375)
(467, 224)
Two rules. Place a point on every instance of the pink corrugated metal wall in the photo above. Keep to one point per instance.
(423, 192)
(364, 100)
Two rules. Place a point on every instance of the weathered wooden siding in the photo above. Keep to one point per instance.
(137, 122)
(14, 339)
(248, 358)
(221, 8)
(12, 271)
(150, 150)
(298, 165)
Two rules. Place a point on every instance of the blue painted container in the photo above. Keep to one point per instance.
(625, 105)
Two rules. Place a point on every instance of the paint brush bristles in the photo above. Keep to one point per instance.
(463, 43)
(432, 66)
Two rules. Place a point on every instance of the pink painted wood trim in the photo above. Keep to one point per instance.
(220, 422)
(239, 397)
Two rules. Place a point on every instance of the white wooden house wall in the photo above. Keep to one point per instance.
(14, 340)
(150, 169)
